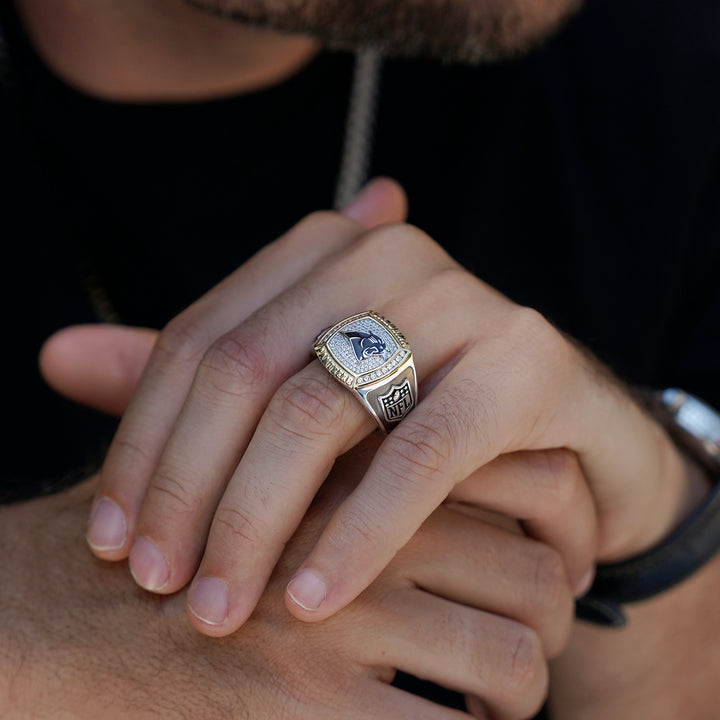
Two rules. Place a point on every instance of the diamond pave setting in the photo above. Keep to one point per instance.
(336, 352)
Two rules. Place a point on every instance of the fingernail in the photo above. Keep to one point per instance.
(208, 600)
(585, 583)
(107, 528)
(307, 589)
(148, 565)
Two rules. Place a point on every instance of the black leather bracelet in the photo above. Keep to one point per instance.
(695, 427)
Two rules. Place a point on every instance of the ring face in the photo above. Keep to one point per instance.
(369, 355)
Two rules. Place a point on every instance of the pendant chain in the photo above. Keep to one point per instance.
(359, 127)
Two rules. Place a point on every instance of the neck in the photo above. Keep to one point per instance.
(158, 50)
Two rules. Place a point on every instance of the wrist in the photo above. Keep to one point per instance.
(686, 484)
(692, 430)
(692, 538)
(680, 484)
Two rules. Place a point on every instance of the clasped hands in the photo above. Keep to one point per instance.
(232, 431)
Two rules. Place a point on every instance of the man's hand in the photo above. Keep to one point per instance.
(78, 639)
(231, 431)
(660, 666)
(469, 603)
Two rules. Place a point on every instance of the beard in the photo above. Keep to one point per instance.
(469, 31)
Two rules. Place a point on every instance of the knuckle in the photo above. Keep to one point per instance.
(421, 449)
(322, 217)
(525, 675)
(182, 340)
(240, 523)
(529, 322)
(549, 604)
(353, 526)
(425, 446)
(323, 221)
(234, 365)
(400, 237)
(170, 492)
(513, 675)
(451, 282)
(531, 329)
(306, 408)
(556, 473)
(135, 457)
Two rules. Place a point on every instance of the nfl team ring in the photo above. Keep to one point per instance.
(368, 355)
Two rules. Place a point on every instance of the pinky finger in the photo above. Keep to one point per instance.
(546, 491)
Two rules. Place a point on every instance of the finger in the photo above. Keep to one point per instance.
(162, 390)
(462, 649)
(307, 424)
(382, 201)
(546, 490)
(96, 365)
(480, 564)
(147, 425)
(233, 385)
(267, 497)
(454, 430)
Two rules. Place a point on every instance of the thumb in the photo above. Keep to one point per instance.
(96, 365)
(381, 201)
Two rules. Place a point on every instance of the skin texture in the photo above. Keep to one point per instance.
(158, 50)
(458, 30)
(591, 680)
(175, 50)
(71, 647)
(223, 446)
(660, 666)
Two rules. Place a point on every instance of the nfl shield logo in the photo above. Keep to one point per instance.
(397, 402)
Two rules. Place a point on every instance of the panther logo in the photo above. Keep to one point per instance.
(365, 344)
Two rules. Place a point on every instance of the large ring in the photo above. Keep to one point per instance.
(368, 354)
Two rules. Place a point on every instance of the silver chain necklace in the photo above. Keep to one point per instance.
(359, 127)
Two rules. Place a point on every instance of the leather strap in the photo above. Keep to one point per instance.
(661, 567)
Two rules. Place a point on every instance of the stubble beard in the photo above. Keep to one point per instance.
(469, 31)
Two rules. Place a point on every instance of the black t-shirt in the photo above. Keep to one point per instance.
(583, 180)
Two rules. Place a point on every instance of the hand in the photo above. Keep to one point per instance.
(70, 652)
(465, 558)
(602, 672)
(231, 432)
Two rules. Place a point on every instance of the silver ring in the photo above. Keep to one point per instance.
(368, 355)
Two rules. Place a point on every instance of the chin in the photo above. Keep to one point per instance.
(469, 31)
